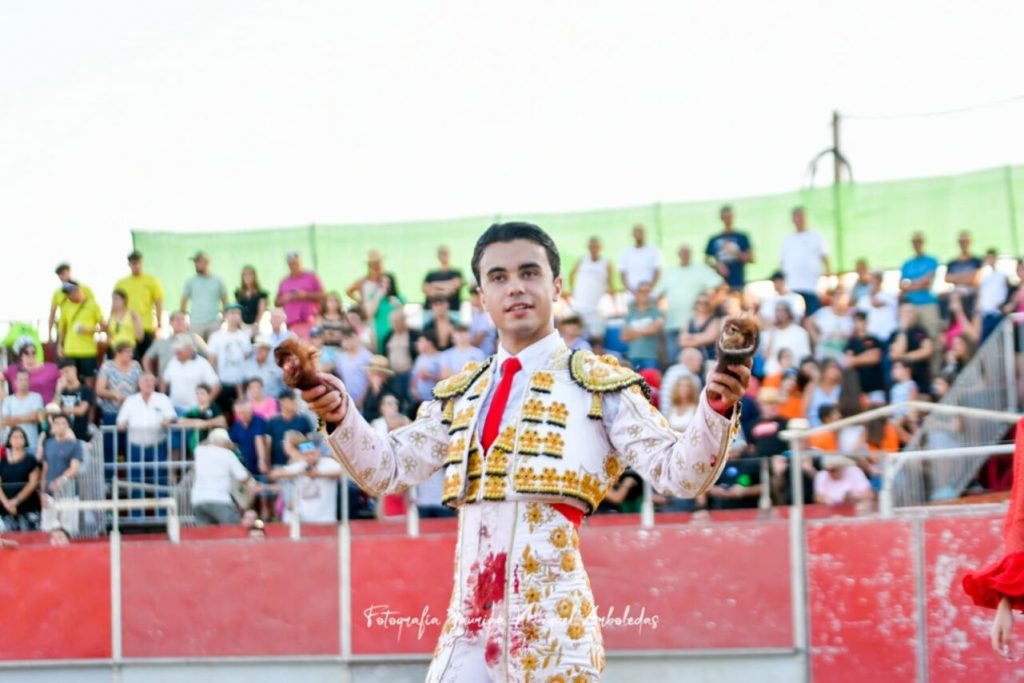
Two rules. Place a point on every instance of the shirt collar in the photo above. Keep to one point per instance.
(535, 356)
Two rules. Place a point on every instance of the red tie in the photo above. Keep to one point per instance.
(493, 420)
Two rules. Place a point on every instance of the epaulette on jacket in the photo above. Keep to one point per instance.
(603, 374)
(457, 384)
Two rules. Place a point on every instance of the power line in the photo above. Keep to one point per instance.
(941, 112)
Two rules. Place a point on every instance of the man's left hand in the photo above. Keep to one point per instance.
(729, 389)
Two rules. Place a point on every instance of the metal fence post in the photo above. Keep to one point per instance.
(1010, 366)
(798, 557)
(647, 507)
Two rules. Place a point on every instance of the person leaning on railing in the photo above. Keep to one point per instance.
(217, 472)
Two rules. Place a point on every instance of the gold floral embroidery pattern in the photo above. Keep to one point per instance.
(452, 487)
(462, 420)
(533, 410)
(596, 411)
(602, 374)
(475, 465)
(586, 488)
(506, 440)
(494, 487)
(457, 384)
(542, 382)
(478, 389)
(558, 415)
(448, 413)
(455, 450)
(497, 462)
(553, 444)
(529, 442)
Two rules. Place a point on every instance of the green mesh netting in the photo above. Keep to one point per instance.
(875, 221)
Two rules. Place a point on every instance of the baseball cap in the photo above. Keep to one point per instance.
(63, 265)
(219, 435)
(69, 286)
(199, 255)
(263, 340)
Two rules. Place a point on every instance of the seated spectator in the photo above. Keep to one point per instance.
(357, 321)
(882, 436)
(300, 294)
(642, 329)
(327, 358)
(62, 458)
(482, 332)
(957, 357)
(691, 364)
(146, 416)
(795, 302)
(278, 328)
(288, 420)
(785, 367)
(882, 309)
(217, 473)
(911, 344)
(230, 349)
(571, 329)
(75, 399)
(262, 365)
(793, 390)
(826, 442)
(864, 284)
(784, 334)
(394, 504)
(830, 327)
(206, 415)
(248, 432)
(825, 391)
(19, 485)
(80, 319)
(124, 324)
(864, 354)
(262, 405)
(252, 298)
(351, 366)
(161, 351)
(682, 406)
(739, 485)
(378, 389)
(185, 373)
(701, 332)
(400, 350)
(42, 376)
(441, 326)
(426, 371)
(23, 408)
(903, 388)
(841, 481)
(314, 478)
(454, 359)
(992, 294)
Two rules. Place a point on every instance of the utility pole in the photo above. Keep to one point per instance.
(837, 161)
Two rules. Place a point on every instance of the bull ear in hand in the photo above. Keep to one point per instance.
(298, 362)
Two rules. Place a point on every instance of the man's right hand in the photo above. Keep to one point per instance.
(329, 399)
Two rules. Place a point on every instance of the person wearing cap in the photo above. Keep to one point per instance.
(372, 286)
(217, 473)
(315, 480)
(63, 273)
(208, 296)
(145, 296)
(161, 352)
(43, 375)
(229, 352)
(80, 319)
(841, 481)
(300, 294)
(379, 375)
(262, 365)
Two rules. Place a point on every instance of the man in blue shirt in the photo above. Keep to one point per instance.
(916, 278)
(729, 251)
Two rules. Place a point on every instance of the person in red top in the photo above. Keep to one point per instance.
(1000, 586)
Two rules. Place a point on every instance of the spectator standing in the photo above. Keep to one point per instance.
(252, 298)
(62, 457)
(589, 280)
(248, 432)
(729, 251)
(825, 391)
(831, 327)
(683, 284)
(161, 351)
(882, 309)
(766, 308)
(863, 285)
(315, 478)
(642, 329)
(300, 294)
(80, 318)
(23, 408)
(208, 296)
(453, 360)
(262, 365)
(145, 416)
(262, 405)
(217, 472)
(482, 332)
(145, 296)
(441, 326)
(206, 415)
(288, 420)
(184, 374)
(993, 291)
(916, 279)
(43, 376)
(75, 399)
(864, 354)
(118, 379)
(639, 264)
(804, 260)
(379, 309)
(912, 344)
(444, 281)
(63, 273)
(19, 485)
(229, 352)
(784, 334)
(400, 351)
(332, 310)
(964, 273)
(351, 365)
(426, 369)
(124, 325)
(365, 288)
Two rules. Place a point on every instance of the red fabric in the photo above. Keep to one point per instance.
(493, 420)
(573, 514)
(1006, 577)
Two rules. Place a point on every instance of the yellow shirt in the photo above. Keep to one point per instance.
(143, 293)
(122, 330)
(85, 316)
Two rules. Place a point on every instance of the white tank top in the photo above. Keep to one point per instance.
(591, 283)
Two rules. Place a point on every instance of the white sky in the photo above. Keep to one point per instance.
(215, 115)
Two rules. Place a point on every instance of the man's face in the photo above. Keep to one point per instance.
(76, 295)
(684, 255)
(147, 384)
(136, 266)
(202, 397)
(262, 353)
(243, 411)
(234, 317)
(287, 407)
(443, 256)
(860, 326)
(178, 324)
(727, 218)
(800, 220)
(277, 318)
(779, 284)
(643, 294)
(917, 242)
(594, 247)
(64, 274)
(21, 382)
(964, 240)
(461, 337)
(782, 315)
(183, 353)
(69, 374)
(295, 265)
(201, 265)
(639, 235)
(518, 287)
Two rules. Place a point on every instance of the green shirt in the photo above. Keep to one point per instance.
(682, 285)
(204, 293)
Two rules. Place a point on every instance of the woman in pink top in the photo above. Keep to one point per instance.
(841, 481)
(262, 405)
(42, 376)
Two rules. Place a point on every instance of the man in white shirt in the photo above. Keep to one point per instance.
(217, 470)
(639, 263)
(805, 260)
(683, 284)
(146, 415)
(882, 309)
(589, 280)
(314, 495)
(785, 334)
(229, 353)
(184, 373)
(766, 309)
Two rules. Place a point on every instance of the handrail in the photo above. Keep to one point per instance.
(169, 504)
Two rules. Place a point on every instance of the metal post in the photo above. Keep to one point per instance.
(765, 501)
(116, 653)
(412, 515)
(836, 192)
(920, 601)
(885, 494)
(647, 507)
(798, 559)
(1010, 367)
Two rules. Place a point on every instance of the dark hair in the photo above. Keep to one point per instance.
(241, 280)
(860, 315)
(824, 410)
(121, 293)
(59, 416)
(850, 394)
(724, 208)
(66, 363)
(508, 232)
(204, 387)
(11, 433)
(392, 289)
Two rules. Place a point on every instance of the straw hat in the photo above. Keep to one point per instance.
(380, 364)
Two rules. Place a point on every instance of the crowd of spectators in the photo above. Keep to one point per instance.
(203, 386)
